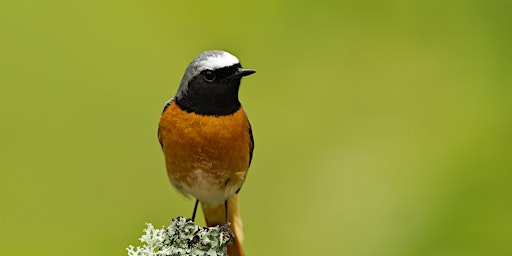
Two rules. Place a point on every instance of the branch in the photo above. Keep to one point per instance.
(183, 237)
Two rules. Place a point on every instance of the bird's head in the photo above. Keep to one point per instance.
(210, 84)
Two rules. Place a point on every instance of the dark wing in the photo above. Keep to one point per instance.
(251, 149)
(167, 104)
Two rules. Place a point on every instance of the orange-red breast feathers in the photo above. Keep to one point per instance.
(206, 156)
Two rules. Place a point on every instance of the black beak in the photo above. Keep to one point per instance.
(245, 72)
(241, 73)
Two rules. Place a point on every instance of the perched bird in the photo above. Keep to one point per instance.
(207, 139)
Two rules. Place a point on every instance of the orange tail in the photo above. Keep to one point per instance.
(215, 215)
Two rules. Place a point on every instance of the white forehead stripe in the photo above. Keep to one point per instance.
(218, 61)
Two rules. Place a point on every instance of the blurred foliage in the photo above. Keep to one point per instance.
(381, 127)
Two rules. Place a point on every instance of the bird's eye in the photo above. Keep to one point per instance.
(209, 76)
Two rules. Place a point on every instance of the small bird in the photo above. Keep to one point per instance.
(207, 139)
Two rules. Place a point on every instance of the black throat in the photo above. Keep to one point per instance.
(218, 99)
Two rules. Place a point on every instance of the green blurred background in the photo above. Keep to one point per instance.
(381, 127)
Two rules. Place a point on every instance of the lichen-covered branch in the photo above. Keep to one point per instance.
(182, 237)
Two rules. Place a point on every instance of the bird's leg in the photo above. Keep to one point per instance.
(227, 225)
(195, 209)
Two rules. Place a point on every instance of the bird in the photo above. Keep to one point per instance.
(207, 140)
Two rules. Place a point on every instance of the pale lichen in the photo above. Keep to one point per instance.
(182, 237)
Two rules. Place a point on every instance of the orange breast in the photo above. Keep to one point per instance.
(206, 156)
